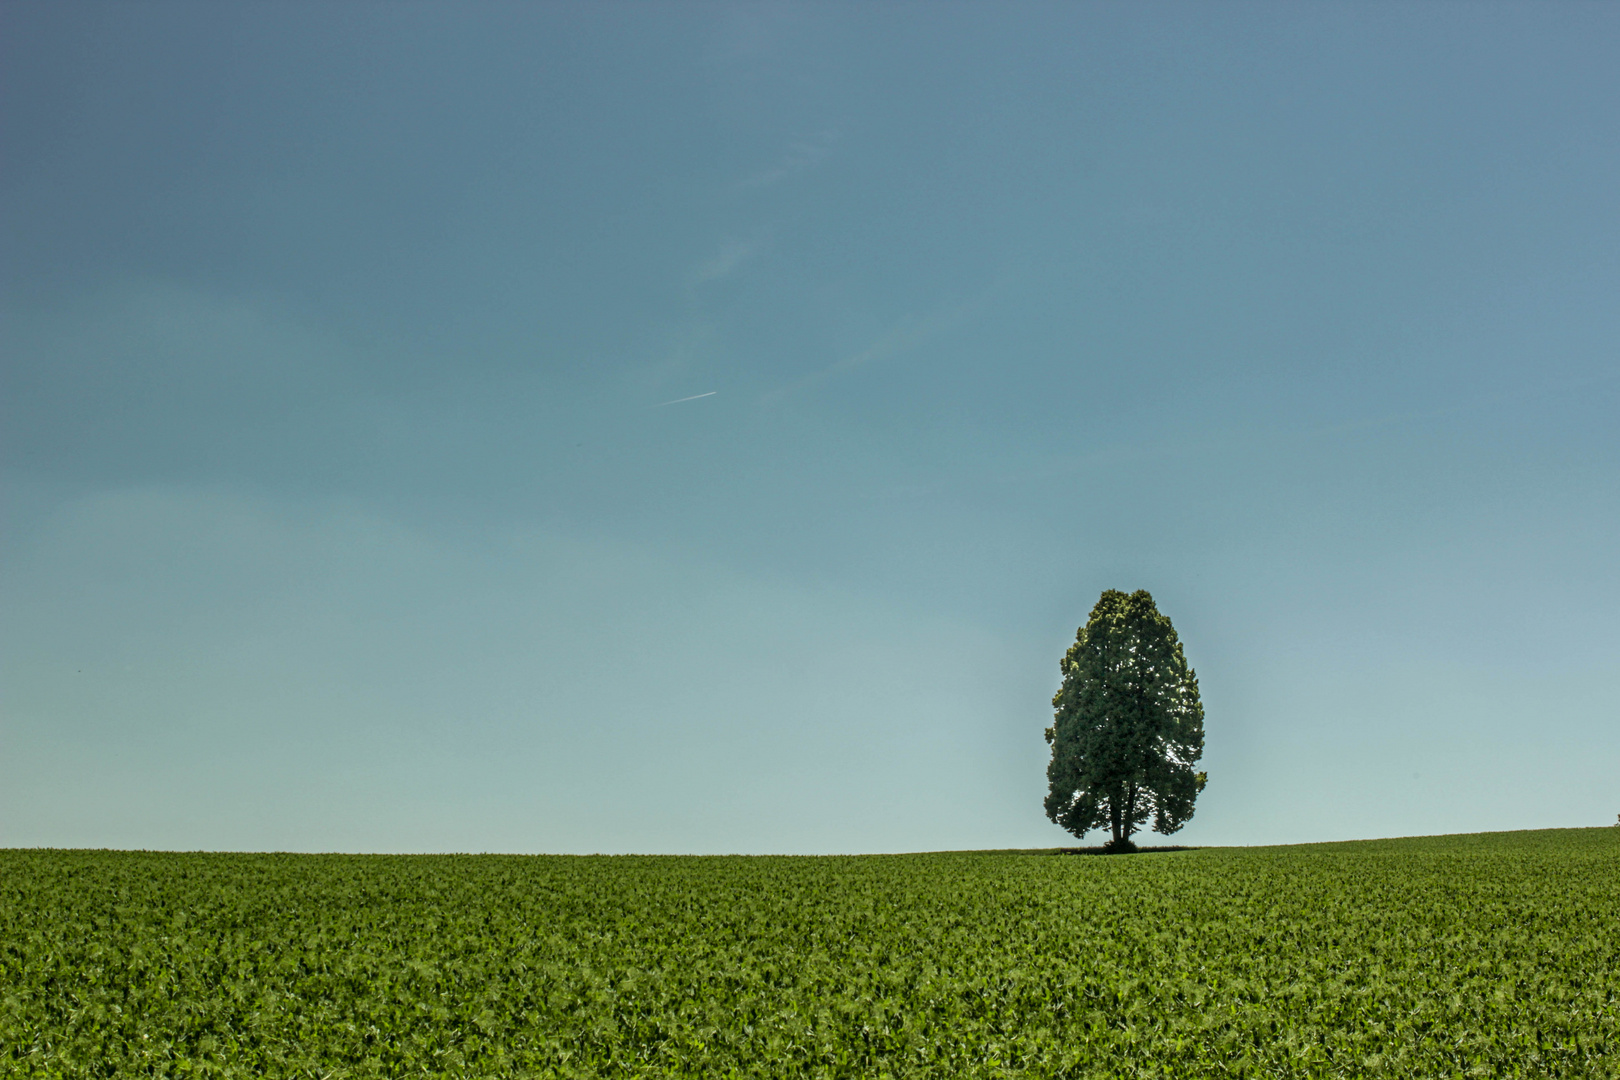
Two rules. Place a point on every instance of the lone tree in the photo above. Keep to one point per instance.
(1128, 726)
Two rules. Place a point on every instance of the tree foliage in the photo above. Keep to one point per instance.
(1128, 726)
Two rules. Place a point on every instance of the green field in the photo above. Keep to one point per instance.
(1488, 955)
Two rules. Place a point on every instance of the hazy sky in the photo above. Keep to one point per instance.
(341, 510)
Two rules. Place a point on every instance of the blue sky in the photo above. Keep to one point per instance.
(342, 510)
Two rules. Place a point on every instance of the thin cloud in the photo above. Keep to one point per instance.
(678, 400)
(902, 337)
(733, 253)
(801, 154)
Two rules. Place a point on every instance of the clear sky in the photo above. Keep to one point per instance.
(342, 509)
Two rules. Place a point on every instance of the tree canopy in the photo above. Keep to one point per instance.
(1128, 726)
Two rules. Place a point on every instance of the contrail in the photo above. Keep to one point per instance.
(678, 400)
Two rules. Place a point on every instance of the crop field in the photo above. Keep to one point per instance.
(1491, 955)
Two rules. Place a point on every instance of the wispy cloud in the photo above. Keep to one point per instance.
(732, 254)
(800, 154)
(678, 400)
(906, 334)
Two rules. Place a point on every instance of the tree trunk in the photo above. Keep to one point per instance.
(1113, 817)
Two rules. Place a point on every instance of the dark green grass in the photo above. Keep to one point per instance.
(1490, 955)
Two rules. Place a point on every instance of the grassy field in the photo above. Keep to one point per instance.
(1492, 955)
